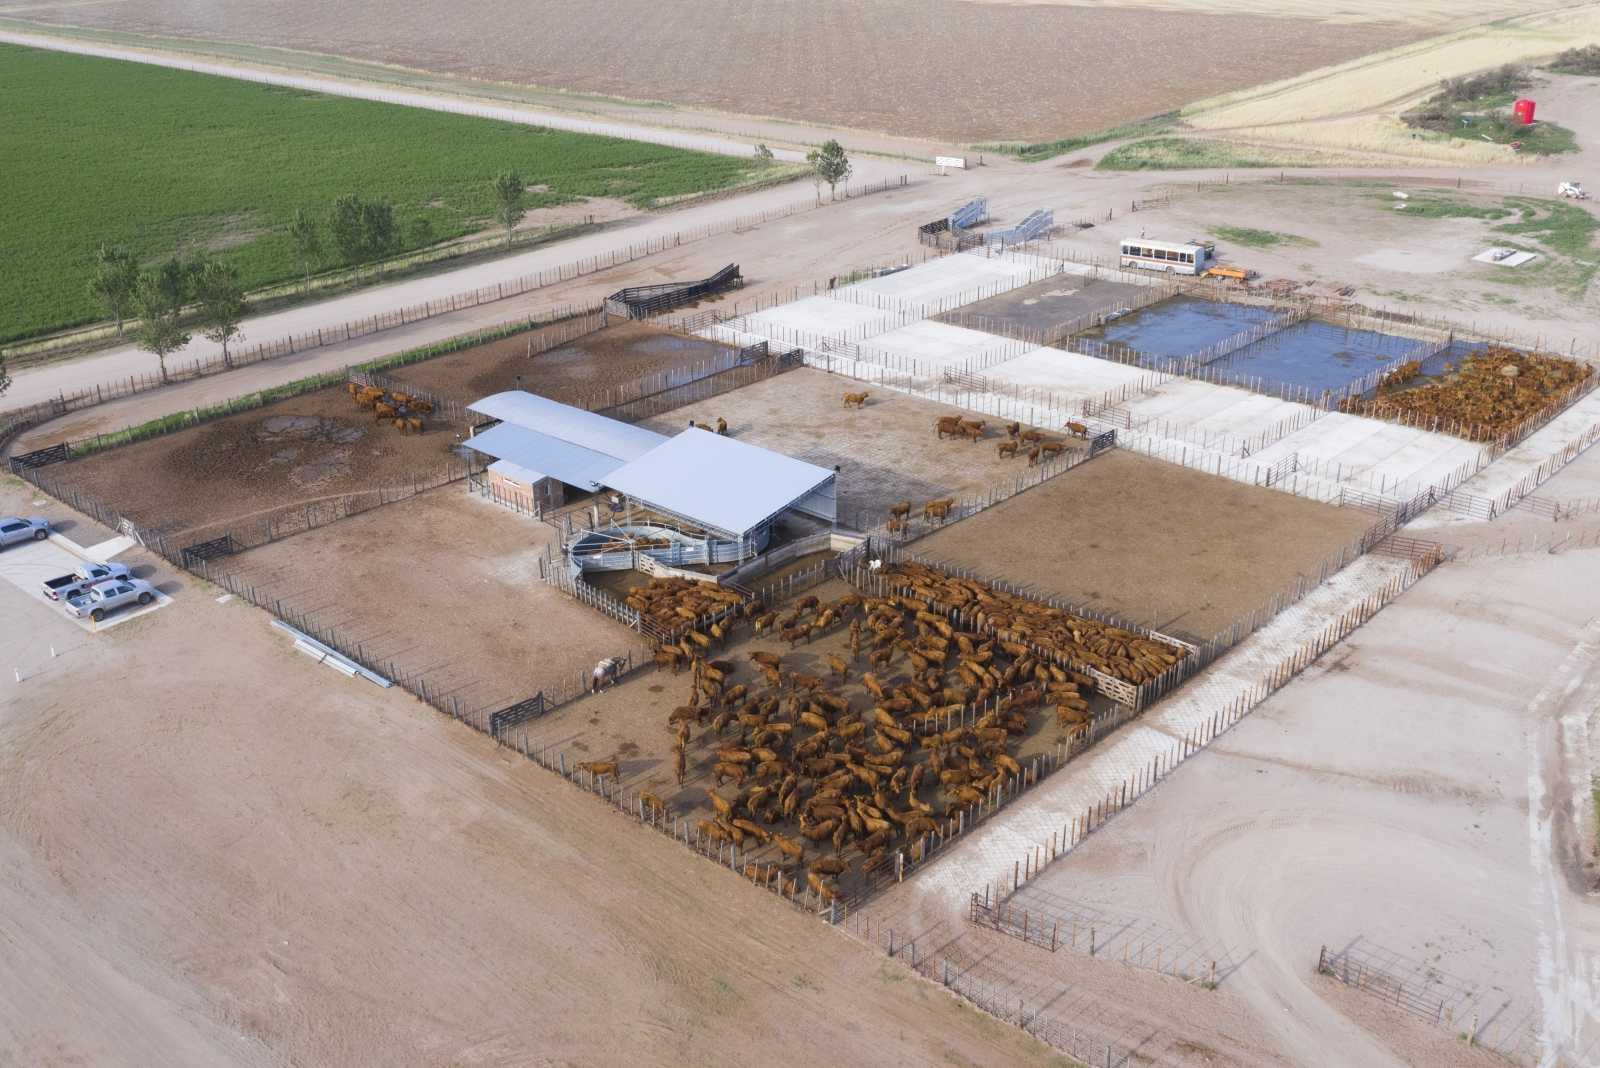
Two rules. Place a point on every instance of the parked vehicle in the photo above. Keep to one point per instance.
(66, 587)
(1187, 257)
(14, 529)
(100, 601)
(1229, 271)
(1572, 191)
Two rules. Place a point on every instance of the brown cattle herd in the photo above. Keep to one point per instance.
(403, 411)
(1487, 395)
(838, 768)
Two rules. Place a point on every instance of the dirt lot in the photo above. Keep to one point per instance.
(629, 723)
(1043, 306)
(1422, 819)
(299, 450)
(1153, 542)
(887, 451)
(1056, 77)
(263, 863)
(571, 373)
(475, 618)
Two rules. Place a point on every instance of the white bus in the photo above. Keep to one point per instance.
(1174, 257)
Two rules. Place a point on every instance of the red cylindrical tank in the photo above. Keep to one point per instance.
(1523, 110)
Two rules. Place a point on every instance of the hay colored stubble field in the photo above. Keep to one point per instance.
(164, 160)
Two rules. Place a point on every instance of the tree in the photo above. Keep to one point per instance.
(380, 235)
(221, 299)
(764, 154)
(160, 297)
(114, 282)
(345, 226)
(830, 164)
(511, 201)
(307, 237)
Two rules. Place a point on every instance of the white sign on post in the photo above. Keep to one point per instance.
(959, 162)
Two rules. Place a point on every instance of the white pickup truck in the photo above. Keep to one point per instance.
(100, 601)
(66, 587)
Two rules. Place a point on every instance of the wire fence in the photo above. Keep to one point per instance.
(1422, 557)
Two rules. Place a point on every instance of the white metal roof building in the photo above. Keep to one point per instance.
(728, 487)
(546, 439)
(725, 485)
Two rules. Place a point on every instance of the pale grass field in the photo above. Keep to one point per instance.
(1390, 81)
(1354, 108)
(1414, 12)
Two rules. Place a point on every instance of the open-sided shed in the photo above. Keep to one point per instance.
(724, 485)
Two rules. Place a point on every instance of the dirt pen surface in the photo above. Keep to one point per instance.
(444, 583)
(266, 863)
(299, 450)
(1043, 306)
(1061, 73)
(571, 373)
(887, 451)
(1155, 543)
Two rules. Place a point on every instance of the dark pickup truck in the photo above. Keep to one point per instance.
(66, 587)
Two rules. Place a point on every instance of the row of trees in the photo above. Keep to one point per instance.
(204, 287)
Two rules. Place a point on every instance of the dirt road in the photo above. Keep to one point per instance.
(241, 857)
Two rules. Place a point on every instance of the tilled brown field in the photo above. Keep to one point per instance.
(305, 449)
(931, 68)
(1155, 543)
(571, 373)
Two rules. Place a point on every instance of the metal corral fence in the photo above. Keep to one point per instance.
(1053, 923)
(1042, 338)
(998, 999)
(1423, 558)
(1420, 989)
(641, 302)
(712, 385)
(16, 421)
(873, 582)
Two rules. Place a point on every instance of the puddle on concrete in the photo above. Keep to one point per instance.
(1180, 326)
(1314, 355)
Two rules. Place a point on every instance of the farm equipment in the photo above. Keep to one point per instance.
(1572, 191)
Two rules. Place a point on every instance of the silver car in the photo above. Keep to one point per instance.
(14, 529)
(107, 597)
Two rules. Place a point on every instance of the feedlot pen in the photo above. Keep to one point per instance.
(445, 584)
(888, 451)
(242, 469)
(1155, 543)
(575, 370)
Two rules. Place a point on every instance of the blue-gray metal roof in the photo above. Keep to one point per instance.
(728, 485)
(596, 433)
(552, 456)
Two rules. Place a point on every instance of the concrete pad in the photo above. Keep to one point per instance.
(936, 346)
(1069, 375)
(817, 317)
(28, 565)
(951, 276)
(107, 550)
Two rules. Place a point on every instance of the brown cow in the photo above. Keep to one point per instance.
(856, 400)
(1007, 449)
(948, 424)
(901, 509)
(1077, 428)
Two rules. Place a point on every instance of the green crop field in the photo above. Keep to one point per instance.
(163, 161)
